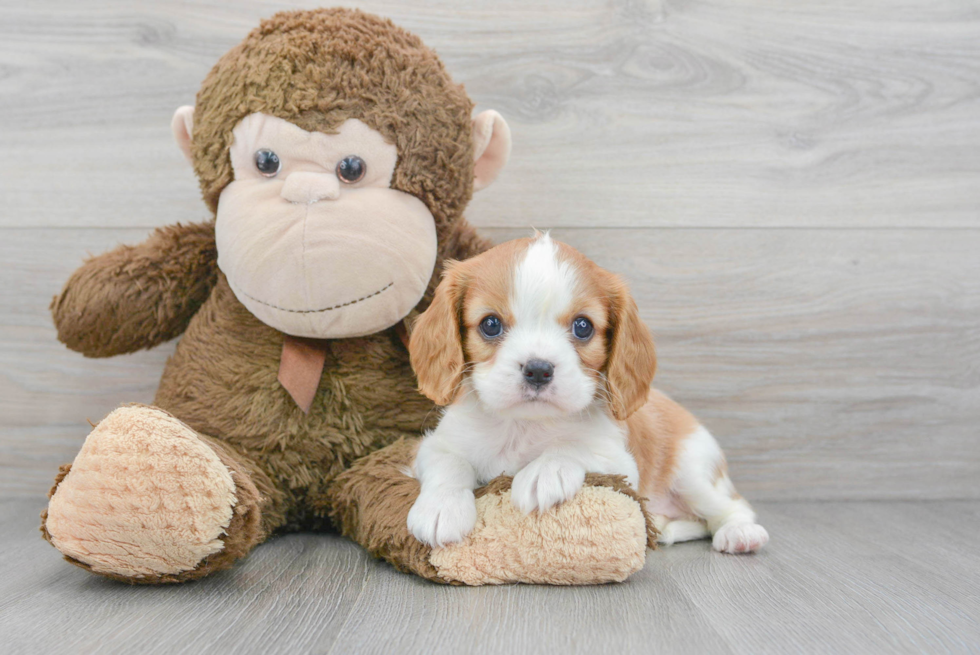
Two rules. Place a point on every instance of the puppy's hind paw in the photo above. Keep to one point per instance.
(740, 538)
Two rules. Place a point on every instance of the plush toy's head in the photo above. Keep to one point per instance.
(337, 155)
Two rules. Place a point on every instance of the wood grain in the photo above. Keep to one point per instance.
(681, 113)
(829, 363)
(837, 577)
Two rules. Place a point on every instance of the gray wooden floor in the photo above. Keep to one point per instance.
(861, 577)
(792, 190)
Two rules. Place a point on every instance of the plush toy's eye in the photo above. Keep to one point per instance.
(582, 328)
(491, 327)
(267, 162)
(351, 169)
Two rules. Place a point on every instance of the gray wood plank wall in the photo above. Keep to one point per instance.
(792, 189)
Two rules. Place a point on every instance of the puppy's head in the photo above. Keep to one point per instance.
(535, 330)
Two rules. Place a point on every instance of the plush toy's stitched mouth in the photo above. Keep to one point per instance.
(325, 309)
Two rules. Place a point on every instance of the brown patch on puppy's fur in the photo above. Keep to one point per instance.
(622, 346)
(656, 431)
(436, 347)
(491, 284)
(721, 470)
(632, 358)
(446, 338)
(589, 301)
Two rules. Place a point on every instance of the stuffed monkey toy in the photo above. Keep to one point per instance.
(336, 156)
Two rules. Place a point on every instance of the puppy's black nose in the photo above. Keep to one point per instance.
(538, 372)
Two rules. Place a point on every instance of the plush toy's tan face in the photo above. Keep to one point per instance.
(311, 237)
(310, 233)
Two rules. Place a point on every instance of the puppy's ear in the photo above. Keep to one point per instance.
(632, 358)
(436, 347)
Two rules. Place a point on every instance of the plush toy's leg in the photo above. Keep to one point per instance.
(599, 536)
(149, 500)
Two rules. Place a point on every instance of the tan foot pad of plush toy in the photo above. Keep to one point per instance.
(600, 536)
(145, 498)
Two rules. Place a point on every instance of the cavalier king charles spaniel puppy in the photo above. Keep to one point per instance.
(544, 366)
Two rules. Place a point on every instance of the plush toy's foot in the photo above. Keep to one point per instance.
(598, 536)
(601, 535)
(148, 500)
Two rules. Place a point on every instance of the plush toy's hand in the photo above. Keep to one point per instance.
(441, 518)
(139, 296)
(545, 482)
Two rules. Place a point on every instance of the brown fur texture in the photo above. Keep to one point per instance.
(317, 69)
(381, 527)
(292, 470)
(136, 297)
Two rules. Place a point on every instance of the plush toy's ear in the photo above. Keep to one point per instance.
(436, 347)
(182, 126)
(491, 141)
(632, 358)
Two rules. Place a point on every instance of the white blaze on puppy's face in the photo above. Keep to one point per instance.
(545, 292)
(311, 237)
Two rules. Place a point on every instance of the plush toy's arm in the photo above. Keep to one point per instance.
(135, 297)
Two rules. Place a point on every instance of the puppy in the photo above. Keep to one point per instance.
(545, 368)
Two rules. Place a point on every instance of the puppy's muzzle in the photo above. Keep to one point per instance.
(538, 372)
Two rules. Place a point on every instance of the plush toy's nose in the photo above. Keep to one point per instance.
(308, 188)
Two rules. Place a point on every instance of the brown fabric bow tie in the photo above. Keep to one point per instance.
(301, 365)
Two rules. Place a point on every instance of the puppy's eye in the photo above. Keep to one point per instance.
(582, 328)
(491, 327)
(351, 169)
(267, 162)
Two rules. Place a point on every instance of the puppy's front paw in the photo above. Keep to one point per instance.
(442, 518)
(545, 482)
(740, 538)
